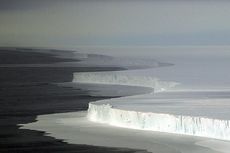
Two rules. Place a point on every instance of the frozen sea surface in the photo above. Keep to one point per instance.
(75, 128)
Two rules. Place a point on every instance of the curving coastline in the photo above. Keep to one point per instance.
(116, 78)
(104, 111)
(192, 99)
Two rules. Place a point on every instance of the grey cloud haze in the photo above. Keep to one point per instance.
(56, 22)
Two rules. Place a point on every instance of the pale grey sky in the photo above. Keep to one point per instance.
(114, 22)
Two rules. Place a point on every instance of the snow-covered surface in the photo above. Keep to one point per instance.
(191, 97)
(75, 128)
(179, 124)
(215, 105)
(119, 78)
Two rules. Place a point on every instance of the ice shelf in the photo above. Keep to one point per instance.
(118, 78)
(179, 124)
(190, 114)
(196, 100)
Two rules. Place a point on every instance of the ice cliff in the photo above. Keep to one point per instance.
(178, 124)
(113, 78)
(104, 112)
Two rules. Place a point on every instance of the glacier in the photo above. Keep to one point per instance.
(116, 78)
(178, 124)
(186, 110)
(202, 111)
(124, 111)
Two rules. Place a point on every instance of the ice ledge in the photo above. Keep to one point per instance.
(116, 78)
(178, 124)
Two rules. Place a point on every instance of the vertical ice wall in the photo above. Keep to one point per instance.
(114, 78)
(192, 75)
(179, 124)
(102, 111)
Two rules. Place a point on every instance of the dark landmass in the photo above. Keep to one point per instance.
(26, 56)
(28, 92)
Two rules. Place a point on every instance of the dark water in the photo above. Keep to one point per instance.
(26, 92)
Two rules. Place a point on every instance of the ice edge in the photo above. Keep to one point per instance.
(177, 124)
(103, 112)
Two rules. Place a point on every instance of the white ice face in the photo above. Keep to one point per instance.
(118, 78)
(150, 121)
(191, 97)
(191, 110)
(74, 128)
